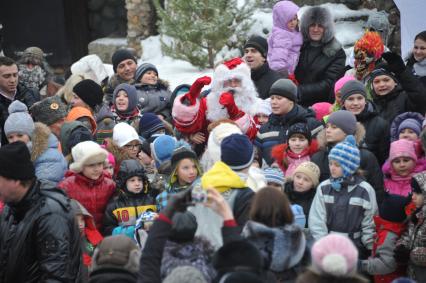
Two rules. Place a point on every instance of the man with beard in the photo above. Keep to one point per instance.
(232, 96)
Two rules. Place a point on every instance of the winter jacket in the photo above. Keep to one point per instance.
(105, 124)
(377, 138)
(318, 69)
(348, 211)
(284, 44)
(382, 263)
(275, 130)
(304, 199)
(28, 96)
(112, 275)
(398, 185)
(155, 99)
(125, 208)
(92, 194)
(49, 163)
(263, 78)
(171, 189)
(39, 238)
(418, 69)
(407, 96)
(282, 248)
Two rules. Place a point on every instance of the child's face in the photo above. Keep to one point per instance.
(292, 24)
(336, 171)
(298, 143)
(132, 148)
(80, 221)
(403, 166)
(302, 182)
(134, 184)
(77, 101)
(93, 171)
(275, 186)
(355, 103)
(408, 134)
(334, 134)
(383, 85)
(186, 171)
(262, 118)
(150, 77)
(122, 101)
(418, 199)
(14, 137)
(281, 105)
(110, 169)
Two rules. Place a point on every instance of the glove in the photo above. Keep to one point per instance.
(196, 88)
(227, 100)
(177, 203)
(401, 255)
(395, 62)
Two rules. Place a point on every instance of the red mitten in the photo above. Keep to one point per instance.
(227, 100)
(196, 88)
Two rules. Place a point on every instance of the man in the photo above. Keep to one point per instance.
(39, 238)
(51, 112)
(255, 51)
(11, 89)
(322, 58)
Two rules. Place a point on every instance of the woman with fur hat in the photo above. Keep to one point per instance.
(125, 105)
(322, 58)
(87, 182)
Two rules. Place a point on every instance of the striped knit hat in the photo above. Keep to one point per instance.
(347, 154)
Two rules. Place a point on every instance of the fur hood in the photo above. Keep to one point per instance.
(318, 15)
(359, 136)
(41, 140)
(279, 152)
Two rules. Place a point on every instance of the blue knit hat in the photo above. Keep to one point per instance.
(274, 175)
(237, 151)
(131, 95)
(149, 123)
(162, 149)
(347, 154)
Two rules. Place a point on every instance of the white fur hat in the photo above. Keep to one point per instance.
(123, 133)
(86, 153)
(264, 106)
(217, 135)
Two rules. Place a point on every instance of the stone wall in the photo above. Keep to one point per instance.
(107, 18)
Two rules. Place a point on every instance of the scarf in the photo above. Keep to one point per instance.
(420, 68)
(336, 183)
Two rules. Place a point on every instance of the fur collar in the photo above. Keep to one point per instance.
(331, 48)
(359, 136)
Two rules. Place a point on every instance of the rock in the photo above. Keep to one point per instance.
(105, 47)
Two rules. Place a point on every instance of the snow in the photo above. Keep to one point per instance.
(120, 41)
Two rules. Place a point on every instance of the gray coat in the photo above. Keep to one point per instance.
(155, 99)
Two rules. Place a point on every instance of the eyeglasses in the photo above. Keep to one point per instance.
(133, 146)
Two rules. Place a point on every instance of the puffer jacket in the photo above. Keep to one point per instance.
(155, 99)
(92, 194)
(39, 238)
(263, 78)
(275, 130)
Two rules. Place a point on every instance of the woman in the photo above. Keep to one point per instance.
(417, 61)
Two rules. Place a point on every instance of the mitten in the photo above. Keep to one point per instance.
(227, 100)
(401, 255)
(395, 62)
(196, 88)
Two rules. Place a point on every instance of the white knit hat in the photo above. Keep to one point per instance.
(123, 133)
(264, 106)
(19, 120)
(86, 153)
(217, 135)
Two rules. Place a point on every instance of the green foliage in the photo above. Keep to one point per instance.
(201, 28)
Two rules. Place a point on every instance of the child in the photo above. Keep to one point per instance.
(407, 125)
(274, 178)
(411, 246)
(345, 203)
(125, 105)
(299, 148)
(86, 180)
(301, 188)
(389, 227)
(185, 171)
(132, 200)
(263, 111)
(285, 41)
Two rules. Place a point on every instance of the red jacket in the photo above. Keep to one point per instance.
(93, 195)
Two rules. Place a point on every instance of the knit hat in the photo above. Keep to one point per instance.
(90, 92)
(344, 120)
(123, 133)
(184, 227)
(131, 95)
(73, 133)
(301, 128)
(347, 154)
(285, 88)
(259, 43)
(321, 110)
(119, 56)
(237, 151)
(149, 123)
(412, 124)
(216, 137)
(402, 148)
(341, 82)
(19, 121)
(392, 208)
(182, 153)
(382, 69)
(15, 162)
(274, 175)
(335, 255)
(49, 110)
(352, 87)
(310, 169)
(162, 148)
(80, 112)
(87, 153)
(264, 106)
(185, 273)
(142, 69)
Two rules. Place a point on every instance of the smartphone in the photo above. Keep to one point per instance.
(198, 194)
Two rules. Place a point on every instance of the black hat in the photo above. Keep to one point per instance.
(299, 127)
(15, 162)
(382, 69)
(182, 153)
(259, 43)
(90, 92)
(119, 56)
(184, 227)
(285, 88)
(392, 208)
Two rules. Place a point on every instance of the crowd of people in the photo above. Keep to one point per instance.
(287, 165)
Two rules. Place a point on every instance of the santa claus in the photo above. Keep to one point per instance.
(232, 96)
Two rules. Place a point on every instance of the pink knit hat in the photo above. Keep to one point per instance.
(335, 254)
(341, 82)
(402, 148)
(321, 109)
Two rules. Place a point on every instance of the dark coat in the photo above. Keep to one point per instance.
(318, 69)
(263, 79)
(304, 199)
(275, 130)
(39, 238)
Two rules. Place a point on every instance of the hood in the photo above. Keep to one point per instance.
(222, 178)
(282, 13)
(80, 112)
(317, 15)
(41, 140)
(66, 130)
(399, 119)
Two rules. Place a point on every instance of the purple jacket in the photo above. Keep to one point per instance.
(283, 44)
